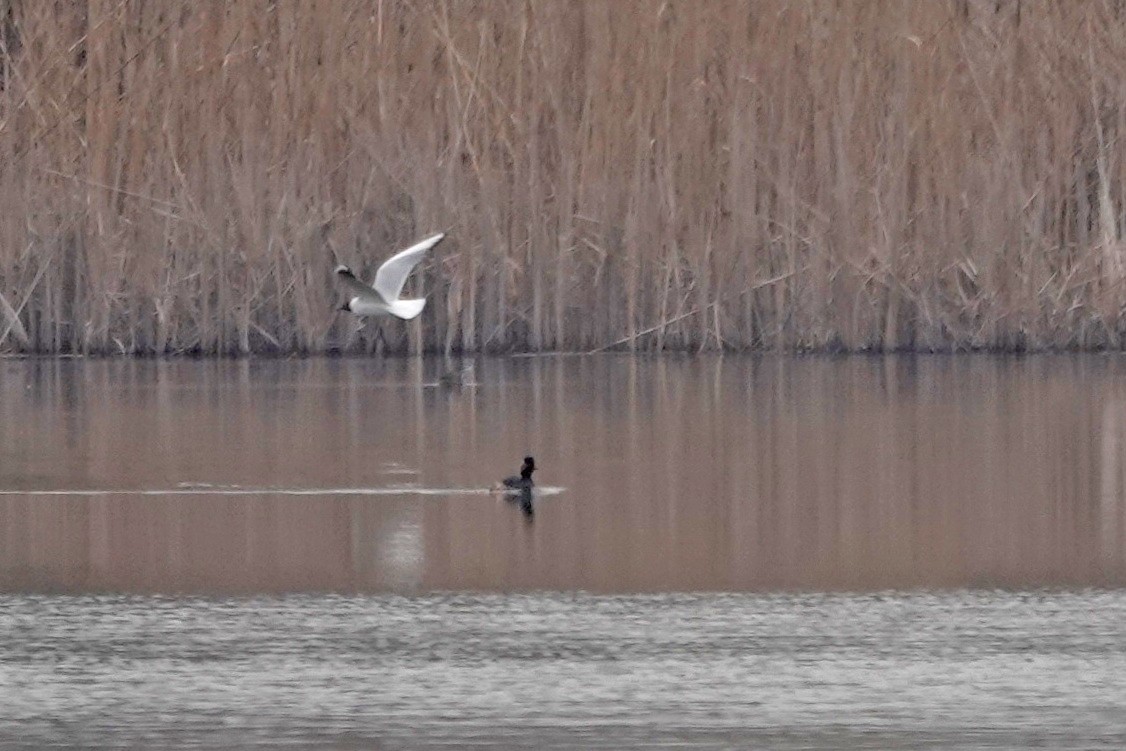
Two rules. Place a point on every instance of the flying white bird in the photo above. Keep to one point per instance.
(382, 298)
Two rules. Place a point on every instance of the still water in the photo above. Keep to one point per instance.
(899, 552)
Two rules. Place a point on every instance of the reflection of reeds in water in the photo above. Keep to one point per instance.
(657, 174)
(1112, 478)
(681, 474)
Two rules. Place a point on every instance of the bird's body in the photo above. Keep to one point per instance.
(519, 488)
(382, 298)
(523, 481)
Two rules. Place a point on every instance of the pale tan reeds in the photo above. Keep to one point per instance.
(648, 174)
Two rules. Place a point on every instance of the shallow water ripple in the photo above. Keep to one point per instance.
(954, 670)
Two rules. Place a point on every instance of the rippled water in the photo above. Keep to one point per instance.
(786, 553)
(958, 670)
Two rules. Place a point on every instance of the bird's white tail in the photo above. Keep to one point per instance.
(407, 309)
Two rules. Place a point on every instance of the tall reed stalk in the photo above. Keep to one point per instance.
(177, 176)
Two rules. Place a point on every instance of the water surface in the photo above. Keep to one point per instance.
(952, 670)
(790, 553)
(732, 474)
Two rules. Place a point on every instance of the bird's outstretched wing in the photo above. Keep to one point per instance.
(354, 286)
(392, 275)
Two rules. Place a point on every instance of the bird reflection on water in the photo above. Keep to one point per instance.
(523, 498)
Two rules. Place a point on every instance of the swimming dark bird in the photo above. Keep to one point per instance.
(454, 378)
(522, 482)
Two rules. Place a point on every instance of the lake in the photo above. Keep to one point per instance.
(781, 552)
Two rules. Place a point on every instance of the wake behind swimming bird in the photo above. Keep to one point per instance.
(520, 486)
(382, 298)
(209, 489)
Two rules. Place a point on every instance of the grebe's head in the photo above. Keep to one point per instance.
(528, 467)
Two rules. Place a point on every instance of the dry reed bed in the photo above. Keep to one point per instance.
(176, 175)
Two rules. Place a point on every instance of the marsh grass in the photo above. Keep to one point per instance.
(176, 176)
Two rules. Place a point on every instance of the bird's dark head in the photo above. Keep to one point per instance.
(528, 467)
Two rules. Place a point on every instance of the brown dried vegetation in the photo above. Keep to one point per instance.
(177, 175)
